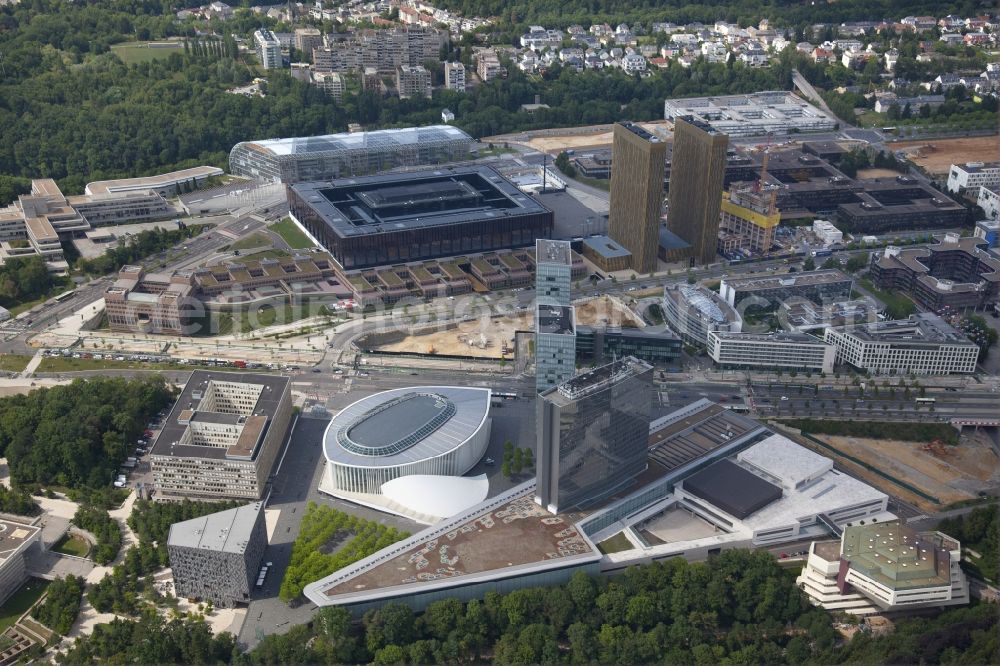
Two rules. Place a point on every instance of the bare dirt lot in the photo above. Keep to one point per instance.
(937, 155)
(557, 144)
(959, 474)
(485, 338)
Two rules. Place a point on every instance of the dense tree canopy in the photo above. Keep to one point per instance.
(979, 531)
(77, 434)
(62, 604)
(24, 279)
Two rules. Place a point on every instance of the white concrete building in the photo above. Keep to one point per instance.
(757, 114)
(454, 76)
(268, 49)
(884, 567)
(791, 351)
(924, 344)
(332, 83)
(633, 62)
(989, 201)
(827, 233)
(440, 431)
(972, 175)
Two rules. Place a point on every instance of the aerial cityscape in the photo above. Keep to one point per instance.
(389, 332)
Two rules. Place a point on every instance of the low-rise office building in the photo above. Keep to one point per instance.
(788, 351)
(989, 201)
(15, 540)
(972, 176)
(823, 286)
(166, 184)
(657, 346)
(606, 254)
(150, 303)
(222, 436)
(989, 231)
(956, 273)
(772, 112)
(694, 311)
(883, 567)
(924, 344)
(217, 557)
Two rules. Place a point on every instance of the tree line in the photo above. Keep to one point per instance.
(143, 244)
(24, 279)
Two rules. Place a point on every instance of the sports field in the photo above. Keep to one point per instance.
(133, 52)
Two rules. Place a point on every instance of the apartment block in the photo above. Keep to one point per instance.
(413, 81)
(222, 436)
(268, 49)
(454, 76)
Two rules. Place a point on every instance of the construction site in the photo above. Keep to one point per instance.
(947, 473)
(937, 155)
(489, 337)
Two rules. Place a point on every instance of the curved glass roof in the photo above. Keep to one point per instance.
(369, 141)
(702, 303)
(396, 425)
(406, 425)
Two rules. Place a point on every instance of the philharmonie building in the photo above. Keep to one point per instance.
(405, 450)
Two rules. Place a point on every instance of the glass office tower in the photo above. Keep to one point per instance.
(593, 432)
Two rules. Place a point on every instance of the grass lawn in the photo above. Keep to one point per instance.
(72, 545)
(256, 239)
(615, 544)
(266, 254)
(291, 234)
(13, 362)
(22, 600)
(897, 305)
(133, 52)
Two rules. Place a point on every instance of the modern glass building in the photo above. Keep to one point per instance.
(555, 345)
(657, 346)
(347, 154)
(554, 264)
(593, 432)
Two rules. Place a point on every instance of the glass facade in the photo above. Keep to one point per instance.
(593, 433)
(600, 344)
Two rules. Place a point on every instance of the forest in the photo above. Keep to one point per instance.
(76, 435)
(978, 531)
(24, 279)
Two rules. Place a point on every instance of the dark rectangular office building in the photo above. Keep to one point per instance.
(697, 171)
(593, 431)
(402, 217)
(637, 193)
(657, 346)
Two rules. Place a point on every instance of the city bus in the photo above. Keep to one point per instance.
(63, 296)
(925, 400)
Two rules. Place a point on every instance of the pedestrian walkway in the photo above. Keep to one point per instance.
(32, 365)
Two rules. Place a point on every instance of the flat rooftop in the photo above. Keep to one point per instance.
(168, 442)
(778, 336)
(375, 141)
(395, 202)
(555, 319)
(897, 556)
(596, 379)
(223, 532)
(803, 279)
(922, 327)
(782, 459)
(640, 132)
(732, 488)
(507, 535)
(606, 247)
(553, 252)
(152, 182)
(695, 430)
(13, 536)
